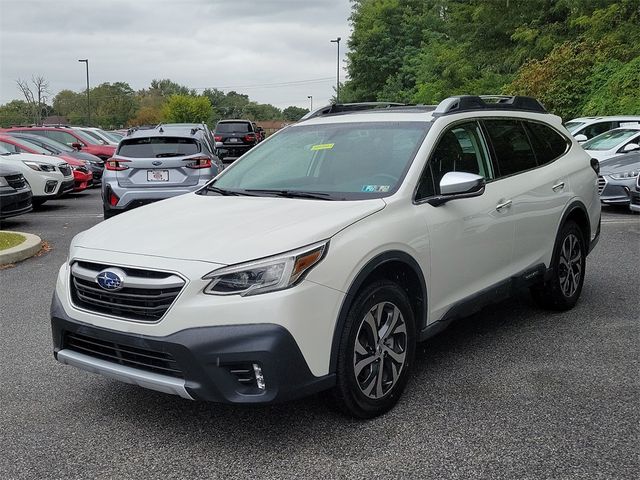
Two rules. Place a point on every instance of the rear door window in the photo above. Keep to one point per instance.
(513, 152)
(597, 128)
(158, 147)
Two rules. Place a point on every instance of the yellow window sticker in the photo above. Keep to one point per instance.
(323, 146)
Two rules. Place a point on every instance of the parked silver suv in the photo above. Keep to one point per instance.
(153, 164)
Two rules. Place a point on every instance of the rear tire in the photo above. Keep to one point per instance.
(376, 351)
(562, 290)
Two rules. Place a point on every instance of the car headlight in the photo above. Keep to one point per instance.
(3, 182)
(40, 167)
(624, 175)
(267, 274)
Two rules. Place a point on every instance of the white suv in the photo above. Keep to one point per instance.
(320, 258)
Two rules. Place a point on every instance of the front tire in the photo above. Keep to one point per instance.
(562, 290)
(376, 351)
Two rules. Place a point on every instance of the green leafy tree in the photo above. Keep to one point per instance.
(15, 112)
(187, 108)
(293, 113)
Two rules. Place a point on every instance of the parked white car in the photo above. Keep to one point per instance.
(100, 135)
(320, 258)
(48, 176)
(614, 142)
(585, 128)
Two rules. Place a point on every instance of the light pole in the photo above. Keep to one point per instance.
(86, 62)
(310, 97)
(337, 42)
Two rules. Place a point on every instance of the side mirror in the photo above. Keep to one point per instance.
(454, 185)
(77, 146)
(219, 145)
(581, 138)
(630, 147)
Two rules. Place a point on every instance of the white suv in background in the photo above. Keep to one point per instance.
(586, 128)
(322, 257)
(49, 177)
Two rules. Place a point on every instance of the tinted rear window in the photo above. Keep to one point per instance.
(239, 127)
(547, 143)
(157, 147)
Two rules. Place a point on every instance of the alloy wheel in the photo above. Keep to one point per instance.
(570, 265)
(380, 350)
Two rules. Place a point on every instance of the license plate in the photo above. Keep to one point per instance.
(234, 140)
(157, 175)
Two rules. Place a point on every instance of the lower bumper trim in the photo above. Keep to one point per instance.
(122, 373)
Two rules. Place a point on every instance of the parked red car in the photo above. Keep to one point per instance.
(82, 177)
(69, 136)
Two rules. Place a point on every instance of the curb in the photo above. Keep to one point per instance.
(26, 249)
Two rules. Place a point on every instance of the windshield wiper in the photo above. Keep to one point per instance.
(227, 193)
(295, 194)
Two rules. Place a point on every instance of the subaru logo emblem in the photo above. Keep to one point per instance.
(157, 163)
(111, 279)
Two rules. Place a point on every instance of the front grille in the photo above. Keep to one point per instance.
(146, 294)
(16, 181)
(135, 357)
(65, 170)
(601, 184)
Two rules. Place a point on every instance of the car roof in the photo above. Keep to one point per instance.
(231, 120)
(166, 130)
(595, 119)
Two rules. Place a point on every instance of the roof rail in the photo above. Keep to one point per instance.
(349, 107)
(465, 103)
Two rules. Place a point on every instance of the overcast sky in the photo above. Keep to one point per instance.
(240, 45)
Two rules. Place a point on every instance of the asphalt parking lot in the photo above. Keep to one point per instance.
(512, 392)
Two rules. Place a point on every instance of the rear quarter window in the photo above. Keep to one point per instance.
(547, 143)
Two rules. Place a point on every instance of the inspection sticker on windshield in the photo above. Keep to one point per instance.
(375, 188)
(323, 146)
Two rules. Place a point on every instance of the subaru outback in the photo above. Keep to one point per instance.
(325, 254)
(154, 164)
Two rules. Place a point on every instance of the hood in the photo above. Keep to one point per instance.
(620, 164)
(34, 157)
(84, 156)
(224, 230)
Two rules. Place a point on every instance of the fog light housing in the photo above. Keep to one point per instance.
(50, 186)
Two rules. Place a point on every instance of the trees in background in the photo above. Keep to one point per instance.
(117, 105)
(576, 56)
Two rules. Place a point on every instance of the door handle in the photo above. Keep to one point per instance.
(558, 186)
(504, 205)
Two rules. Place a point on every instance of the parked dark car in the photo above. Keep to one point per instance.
(15, 193)
(618, 177)
(93, 163)
(237, 137)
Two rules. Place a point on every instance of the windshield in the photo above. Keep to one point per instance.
(340, 161)
(109, 135)
(573, 126)
(157, 147)
(237, 127)
(86, 137)
(610, 139)
(5, 151)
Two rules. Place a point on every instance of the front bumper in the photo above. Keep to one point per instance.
(15, 202)
(205, 356)
(634, 204)
(616, 192)
(66, 186)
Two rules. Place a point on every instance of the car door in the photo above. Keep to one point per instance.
(524, 154)
(470, 240)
